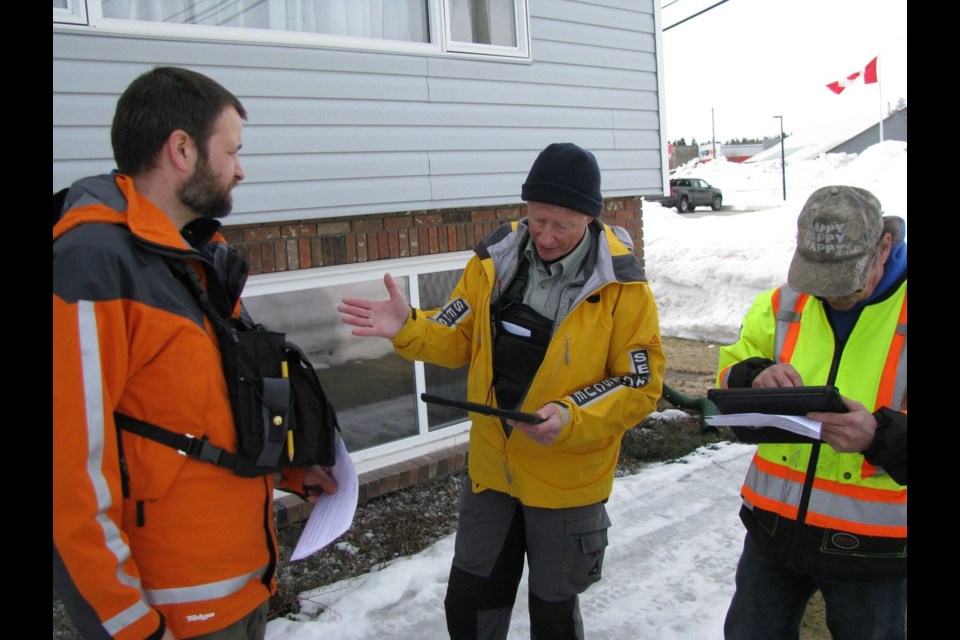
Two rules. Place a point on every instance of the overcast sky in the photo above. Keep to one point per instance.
(750, 60)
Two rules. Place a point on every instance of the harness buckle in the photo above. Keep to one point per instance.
(201, 449)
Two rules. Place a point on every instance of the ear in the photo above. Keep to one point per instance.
(180, 150)
(886, 245)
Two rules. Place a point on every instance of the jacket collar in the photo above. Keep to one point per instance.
(113, 199)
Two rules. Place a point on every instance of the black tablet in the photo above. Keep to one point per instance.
(486, 410)
(784, 401)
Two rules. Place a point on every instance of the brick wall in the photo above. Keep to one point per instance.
(305, 244)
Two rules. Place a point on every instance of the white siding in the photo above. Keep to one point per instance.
(340, 132)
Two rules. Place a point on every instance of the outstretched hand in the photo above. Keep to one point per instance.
(382, 318)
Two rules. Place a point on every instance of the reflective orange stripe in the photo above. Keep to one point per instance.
(826, 522)
(768, 504)
(867, 470)
(724, 373)
(775, 301)
(860, 492)
(831, 486)
(889, 378)
(790, 343)
(779, 470)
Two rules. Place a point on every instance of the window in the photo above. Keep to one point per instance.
(375, 392)
(70, 11)
(404, 20)
(473, 27)
(484, 26)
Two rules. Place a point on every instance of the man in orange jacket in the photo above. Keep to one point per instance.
(149, 543)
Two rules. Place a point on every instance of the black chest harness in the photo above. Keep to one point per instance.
(520, 340)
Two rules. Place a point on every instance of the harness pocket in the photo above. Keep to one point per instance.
(313, 419)
(590, 538)
(259, 395)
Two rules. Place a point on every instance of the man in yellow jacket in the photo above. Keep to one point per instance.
(555, 318)
(831, 515)
(152, 540)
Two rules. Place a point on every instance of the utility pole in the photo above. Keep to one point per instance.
(783, 161)
(713, 134)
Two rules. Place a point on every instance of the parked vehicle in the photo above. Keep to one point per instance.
(686, 194)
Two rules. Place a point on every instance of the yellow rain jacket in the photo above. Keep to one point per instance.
(603, 367)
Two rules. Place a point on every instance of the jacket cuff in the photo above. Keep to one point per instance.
(743, 373)
(158, 634)
(888, 451)
(291, 479)
(564, 413)
(874, 454)
(408, 330)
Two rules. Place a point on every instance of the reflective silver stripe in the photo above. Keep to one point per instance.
(826, 503)
(93, 402)
(126, 617)
(772, 487)
(853, 510)
(899, 399)
(785, 316)
(209, 591)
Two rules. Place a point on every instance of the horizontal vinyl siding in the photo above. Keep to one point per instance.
(340, 132)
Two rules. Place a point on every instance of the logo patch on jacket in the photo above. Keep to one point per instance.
(844, 540)
(200, 617)
(641, 364)
(595, 391)
(454, 312)
(639, 378)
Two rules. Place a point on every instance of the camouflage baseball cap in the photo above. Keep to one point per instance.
(837, 231)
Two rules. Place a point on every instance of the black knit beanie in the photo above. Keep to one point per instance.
(567, 176)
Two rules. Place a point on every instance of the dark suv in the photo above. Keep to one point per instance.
(686, 194)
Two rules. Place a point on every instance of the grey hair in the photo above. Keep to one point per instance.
(896, 227)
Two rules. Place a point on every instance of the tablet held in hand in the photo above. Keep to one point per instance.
(484, 409)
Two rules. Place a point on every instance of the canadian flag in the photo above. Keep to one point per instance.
(867, 76)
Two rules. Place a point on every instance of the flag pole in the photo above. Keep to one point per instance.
(880, 94)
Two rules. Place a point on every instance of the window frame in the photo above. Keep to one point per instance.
(88, 14)
(425, 440)
(522, 50)
(75, 13)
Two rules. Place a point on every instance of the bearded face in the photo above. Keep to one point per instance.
(217, 171)
(205, 194)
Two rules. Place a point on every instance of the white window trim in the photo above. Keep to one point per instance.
(87, 15)
(75, 13)
(425, 441)
(522, 50)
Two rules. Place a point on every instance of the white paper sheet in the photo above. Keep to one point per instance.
(516, 329)
(331, 515)
(797, 424)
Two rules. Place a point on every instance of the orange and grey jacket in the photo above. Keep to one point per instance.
(144, 537)
(839, 515)
(603, 367)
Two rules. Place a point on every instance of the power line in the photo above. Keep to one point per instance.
(713, 6)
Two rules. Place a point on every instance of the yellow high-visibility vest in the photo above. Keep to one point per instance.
(847, 493)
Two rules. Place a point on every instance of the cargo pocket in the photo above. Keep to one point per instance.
(590, 539)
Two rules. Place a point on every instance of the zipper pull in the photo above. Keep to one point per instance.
(566, 350)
